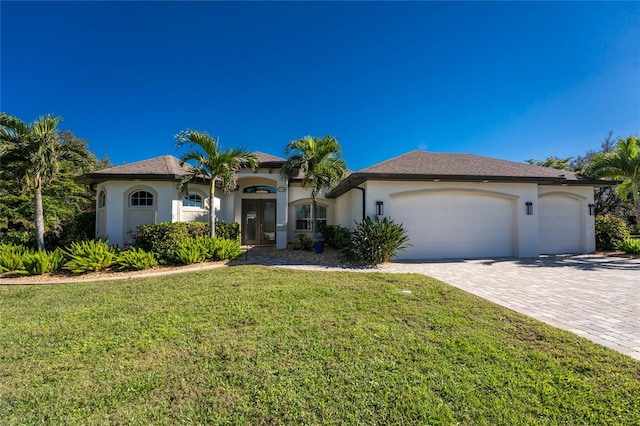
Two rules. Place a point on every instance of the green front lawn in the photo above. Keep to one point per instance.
(257, 345)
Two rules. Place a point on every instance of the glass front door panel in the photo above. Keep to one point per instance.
(251, 221)
(269, 221)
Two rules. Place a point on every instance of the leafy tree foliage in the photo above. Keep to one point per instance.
(623, 165)
(607, 199)
(320, 163)
(553, 162)
(38, 158)
(213, 164)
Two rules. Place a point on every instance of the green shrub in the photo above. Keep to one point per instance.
(19, 237)
(610, 230)
(190, 251)
(43, 262)
(197, 229)
(337, 236)
(227, 249)
(304, 243)
(161, 239)
(228, 231)
(376, 240)
(12, 256)
(88, 256)
(630, 245)
(81, 228)
(135, 259)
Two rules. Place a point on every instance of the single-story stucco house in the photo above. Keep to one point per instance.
(452, 205)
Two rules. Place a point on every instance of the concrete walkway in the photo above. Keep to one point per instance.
(596, 297)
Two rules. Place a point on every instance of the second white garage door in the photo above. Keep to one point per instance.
(456, 224)
(561, 224)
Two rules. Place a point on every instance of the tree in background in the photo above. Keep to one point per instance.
(211, 163)
(606, 198)
(552, 162)
(39, 164)
(621, 164)
(319, 160)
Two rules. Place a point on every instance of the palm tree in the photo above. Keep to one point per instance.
(35, 153)
(213, 164)
(319, 160)
(622, 164)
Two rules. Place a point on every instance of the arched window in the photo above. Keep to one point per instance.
(260, 189)
(192, 200)
(141, 199)
(102, 199)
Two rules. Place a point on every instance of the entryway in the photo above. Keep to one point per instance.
(259, 222)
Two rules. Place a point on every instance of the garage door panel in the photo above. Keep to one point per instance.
(560, 221)
(456, 225)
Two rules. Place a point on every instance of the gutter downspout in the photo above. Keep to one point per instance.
(364, 199)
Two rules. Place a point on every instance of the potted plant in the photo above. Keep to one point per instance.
(318, 242)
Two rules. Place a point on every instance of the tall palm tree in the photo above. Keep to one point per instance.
(320, 162)
(34, 152)
(210, 162)
(622, 164)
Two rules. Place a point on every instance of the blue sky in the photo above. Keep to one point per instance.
(510, 80)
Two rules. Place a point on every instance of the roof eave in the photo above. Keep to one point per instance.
(93, 178)
(358, 178)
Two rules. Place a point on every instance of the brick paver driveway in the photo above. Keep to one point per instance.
(593, 296)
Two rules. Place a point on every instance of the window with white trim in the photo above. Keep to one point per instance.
(192, 200)
(141, 199)
(303, 217)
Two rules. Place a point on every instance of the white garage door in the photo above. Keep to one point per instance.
(456, 224)
(561, 224)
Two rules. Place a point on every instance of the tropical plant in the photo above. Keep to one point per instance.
(86, 256)
(213, 164)
(631, 246)
(190, 251)
(226, 249)
(12, 257)
(42, 262)
(610, 230)
(376, 240)
(135, 259)
(319, 161)
(623, 165)
(34, 153)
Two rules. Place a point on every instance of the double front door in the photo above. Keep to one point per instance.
(259, 222)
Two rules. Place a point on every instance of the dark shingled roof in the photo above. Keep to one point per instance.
(267, 158)
(422, 165)
(166, 167)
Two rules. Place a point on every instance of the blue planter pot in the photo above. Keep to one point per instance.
(318, 247)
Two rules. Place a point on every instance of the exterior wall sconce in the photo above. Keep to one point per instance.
(529, 206)
(379, 208)
(592, 210)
